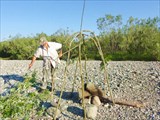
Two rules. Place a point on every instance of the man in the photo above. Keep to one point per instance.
(50, 54)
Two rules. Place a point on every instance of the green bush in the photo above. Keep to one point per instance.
(21, 104)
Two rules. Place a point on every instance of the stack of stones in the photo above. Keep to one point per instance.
(91, 99)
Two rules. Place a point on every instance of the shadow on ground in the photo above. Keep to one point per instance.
(75, 110)
(8, 81)
(15, 77)
(73, 96)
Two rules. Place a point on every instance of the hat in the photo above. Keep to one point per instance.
(42, 40)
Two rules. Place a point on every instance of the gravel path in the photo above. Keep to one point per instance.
(129, 80)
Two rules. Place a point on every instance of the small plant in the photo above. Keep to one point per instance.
(21, 103)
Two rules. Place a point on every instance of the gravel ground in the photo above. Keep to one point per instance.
(129, 80)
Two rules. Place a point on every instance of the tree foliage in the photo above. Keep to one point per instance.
(137, 39)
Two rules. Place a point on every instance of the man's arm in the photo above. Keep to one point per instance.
(33, 60)
(60, 53)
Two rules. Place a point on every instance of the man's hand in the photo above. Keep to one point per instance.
(60, 53)
(31, 64)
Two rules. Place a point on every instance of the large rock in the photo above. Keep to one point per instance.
(95, 100)
(93, 90)
(91, 111)
(86, 93)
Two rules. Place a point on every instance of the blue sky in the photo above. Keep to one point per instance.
(29, 17)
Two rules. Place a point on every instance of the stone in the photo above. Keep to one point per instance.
(53, 113)
(94, 90)
(54, 103)
(86, 94)
(95, 100)
(91, 111)
(106, 105)
(31, 89)
(86, 101)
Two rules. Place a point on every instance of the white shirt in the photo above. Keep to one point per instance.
(52, 52)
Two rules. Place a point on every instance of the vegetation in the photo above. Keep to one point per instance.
(22, 104)
(137, 39)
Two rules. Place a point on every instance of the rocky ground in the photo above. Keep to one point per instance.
(129, 80)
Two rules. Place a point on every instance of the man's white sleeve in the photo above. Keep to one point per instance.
(57, 46)
(38, 53)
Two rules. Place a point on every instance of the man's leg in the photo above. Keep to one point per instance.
(52, 77)
(45, 78)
